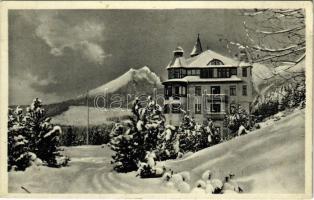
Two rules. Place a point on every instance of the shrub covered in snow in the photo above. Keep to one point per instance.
(194, 137)
(206, 185)
(31, 137)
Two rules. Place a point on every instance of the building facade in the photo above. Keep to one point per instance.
(207, 85)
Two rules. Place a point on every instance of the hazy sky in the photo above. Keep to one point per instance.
(56, 55)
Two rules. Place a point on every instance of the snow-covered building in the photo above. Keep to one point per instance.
(206, 85)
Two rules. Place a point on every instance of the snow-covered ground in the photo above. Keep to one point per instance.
(268, 160)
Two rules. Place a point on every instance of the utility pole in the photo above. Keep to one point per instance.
(87, 133)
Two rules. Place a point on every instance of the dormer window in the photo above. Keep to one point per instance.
(215, 62)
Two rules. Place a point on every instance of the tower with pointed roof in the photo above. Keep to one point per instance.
(197, 49)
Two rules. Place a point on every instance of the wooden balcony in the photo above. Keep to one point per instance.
(216, 97)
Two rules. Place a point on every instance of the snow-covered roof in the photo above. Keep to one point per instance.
(202, 60)
(197, 79)
(178, 49)
(177, 63)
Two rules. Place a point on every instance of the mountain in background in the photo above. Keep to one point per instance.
(118, 92)
(131, 82)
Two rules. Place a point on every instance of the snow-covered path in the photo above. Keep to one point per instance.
(269, 160)
(90, 171)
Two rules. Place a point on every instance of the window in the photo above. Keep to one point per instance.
(183, 73)
(168, 91)
(233, 71)
(193, 72)
(215, 89)
(244, 72)
(215, 107)
(183, 91)
(198, 91)
(215, 62)
(198, 109)
(244, 90)
(176, 90)
(207, 73)
(170, 73)
(223, 72)
(233, 90)
(176, 73)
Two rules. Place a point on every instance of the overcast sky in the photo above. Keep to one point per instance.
(57, 55)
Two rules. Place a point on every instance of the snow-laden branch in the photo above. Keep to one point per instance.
(256, 12)
(279, 55)
(290, 12)
(280, 31)
(282, 11)
(274, 50)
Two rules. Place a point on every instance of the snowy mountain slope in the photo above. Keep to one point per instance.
(140, 75)
(269, 160)
(133, 83)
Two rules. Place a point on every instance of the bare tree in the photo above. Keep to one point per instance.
(274, 37)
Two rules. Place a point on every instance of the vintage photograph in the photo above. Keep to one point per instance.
(198, 101)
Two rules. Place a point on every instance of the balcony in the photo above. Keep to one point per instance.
(216, 97)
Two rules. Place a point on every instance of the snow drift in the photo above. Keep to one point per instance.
(268, 160)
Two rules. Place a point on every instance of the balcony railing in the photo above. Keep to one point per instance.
(217, 97)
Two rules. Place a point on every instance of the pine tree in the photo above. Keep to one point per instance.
(168, 144)
(19, 157)
(43, 137)
(187, 133)
(131, 142)
(32, 139)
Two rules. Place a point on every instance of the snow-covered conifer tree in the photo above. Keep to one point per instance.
(168, 144)
(32, 139)
(131, 142)
(43, 136)
(18, 150)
